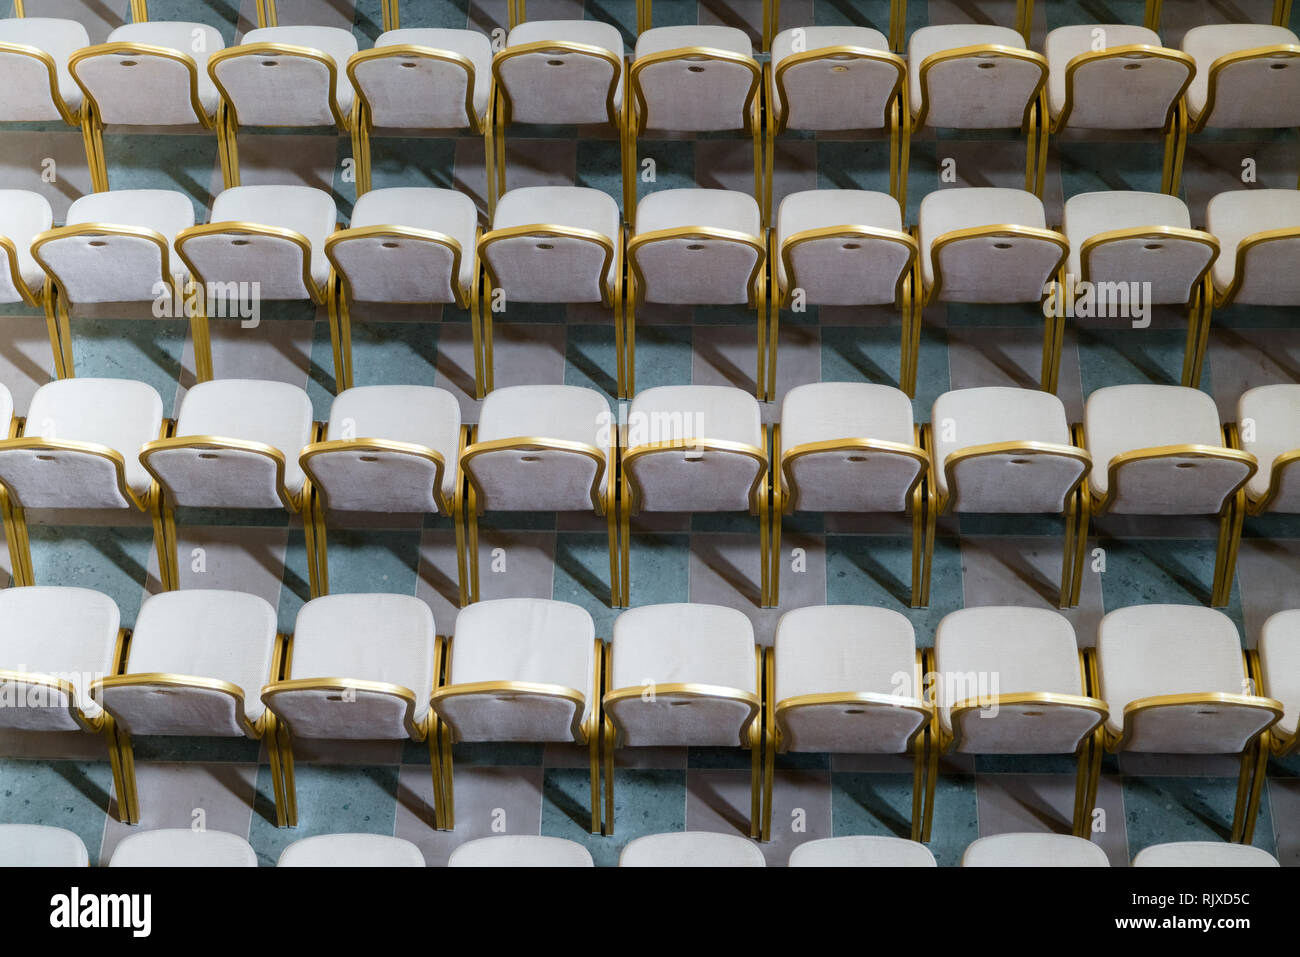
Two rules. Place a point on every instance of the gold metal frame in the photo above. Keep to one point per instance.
(1272, 742)
(1200, 121)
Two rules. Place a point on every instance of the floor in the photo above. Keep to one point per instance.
(383, 787)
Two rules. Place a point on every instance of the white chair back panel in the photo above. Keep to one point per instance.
(848, 271)
(414, 92)
(1262, 93)
(43, 708)
(690, 95)
(25, 93)
(1024, 729)
(679, 721)
(996, 269)
(1013, 482)
(218, 478)
(509, 716)
(158, 709)
(60, 478)
(1133, 92)
(1272, 278)
(682, 480)
(139, 89)
(686, 272)
(275, 263)
(342, 714)
(1170, 265)
(1179, 485)
(376, 481)
(106, 268)
(1196, 729)
(838, 94)
(982, 92)
(395, 269)
(277, 90)
(849, 728)
(1287, 499)
(568, 88)
(547, 268)
(853, 481)
(541, 480)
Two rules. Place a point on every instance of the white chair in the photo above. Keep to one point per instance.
(845, 678)
(35, 85)
(1259, 236)
(37, 845)
(684, 675)
(351, 850)
(283, 76)
(195, 666)
(23, 216)
(183, 847)
(851, 447)
(520, 669)
(235, 444)
(691, 849)
(336, 686)
(419, 80)
(695, 448)
(862, 850)
(698, 247)
(147, 74)
(840, 247)
(547, 448)
(119, 246)
(1174, 680)
(1268, 427)
(988, 245)
(1009, 451)
(551, 244)
(388, 448)
(1275, 669)
(1120, 239)
(520, 850)
(79, 447)
(1033, 849)
(1160, 450)
(1203, 854)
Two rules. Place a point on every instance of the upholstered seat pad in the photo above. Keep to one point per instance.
(38, 845)
(1065, 43)
(520, 850)
(1275, 412)
(1088, 214)
(830, 649)
(662, 39)
(336, 43)
(824, 208)
(1207, 43)
(589, 32)
(183, 847)
(471, 44)
(946, 210)
(714, 412)
(1279, 659)
(829, 411)
(165, 211)
(207, 633)
(862, 850)
(182, 37)
(304, 209)
(351, 850)
(1236, 214)
(930, 40)
(691, 849)
(23, 214)
(1204, 854)
(60, 39)
(683, 642)
(446, 211)
(1037, 849)
(816, 38)
(577, 207)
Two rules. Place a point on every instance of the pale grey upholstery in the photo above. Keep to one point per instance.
(1248, 94)
(520, 850)
(183, 847)
(295, 92)
(963, 94)
(1035, 849)
(23, 215)
(1132, 93)
(691, 849)
(557, 87)
(841, 272)
(1271, 278)
(1268, 418)
(38, 845)
(833, 94)
(554, 268)
(351, 850)
(1204, 854)
(862, 850)
(683, 94)
(430, 95)
(25, 90)
(139, 89)
(1279, 662)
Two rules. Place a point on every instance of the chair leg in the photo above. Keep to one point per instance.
(1257, 787)
(773, 338)
(448, 780)
(269, 735)
(932, 779)
(1025, 18)
(1244, 787)
(609, 740)
(472, 553)
(285, 740)
(629, 334)
(1152, 18)
(1053, 334)
(322, 549)
(1081, 544)
(20, 549)
(95, 161)
(48, 300)
(1230, 523)
(462, 574)
(121, 789)
(625, 544)
(769, 741)
(1070, 546)
(433, 740)
(1205, 295)
(593, 746)
(62, 342)
(764, 546)
(228, 148)
(611, 529)
(1083, 762)
(774, 579)
(199, 332)
(919, 757)
(918, 544)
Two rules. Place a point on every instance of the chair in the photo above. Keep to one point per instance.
(1203, 854)
(691, 849)
(1268, 427)
(23, 216)
(698, 247)
(35, 85)
(520, 850)
(79, 447)
(988, 245)
(1174, 680)
(53, 642)
(335, 686)
(1037, 701)
(420, 80)
(283, 76)
(1033, 849)
(561, 72)
(119, 246)
(388, 448)
(194, 666)
(837, 680)
(183, 847)
(544, 448)
(37, 845)
(1259, 235)
(351, 850)
(840, 247)
(1275, 670)
(519, 669)
(862, 850)
(851, 447)
(1008, 451)
(147, 74)
(706, 688)
(551, 244)
(235, 444)
(1125, 244)
(1133, 82)
(697, 448)
(1172, 459)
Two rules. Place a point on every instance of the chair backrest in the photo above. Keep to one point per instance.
(351, 850)
(1173, 260)
(183, 847)
(691, 849)
(838, 88)
(416, 86)
(862, 850)
(980, 87)
(996, 264)
(95, 262)
(1257, 88)
(548, 263)
(1037, 849)
(554, 81)
(847, 265)
(1129, 87)
(143, 84)
(29, 91)
(695, 89)
(280, 83)
(520, 850)
(1204, 854)
(397, 264)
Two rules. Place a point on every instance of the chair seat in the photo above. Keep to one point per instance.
(1065, 43)
(1204, 854)
(946, 210)
(691, 848)
(816, 38)
(338, 44)
(862, 850)
(663, 39)
(927, 41)
(594, 33)
(182, 37)
(1275, 411)
(165, 211)
(60, 39)
(520, 850)
(1033, 850)
(303, 209)
(1089, 214)
(23, 214)
(575, 207)
(351, 850)
(1279, 659)
(38, 845)
(825, 208)
(183, 847)
(1236, 214)
(1208, 43)
(471, 44)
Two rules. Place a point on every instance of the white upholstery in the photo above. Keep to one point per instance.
(1134, 92)
(144, 90)
(66, 633)
(520, 850)
(431, 94)
(1005, 482)
(1037, 849)
(541, 480)
(390, 482)
(6, 408)
(23, 214)
(987, 270)
(557, 87)
(691, 849)
(37, 845)
(351, 850)
(390, 269)
(1268, 418)
(554, 269)
(862, 850)
(686, 94)
(834, 94)
(1279, 662)
(25, 89)
(1204, 854)
(858, 481)
(690, 479)
(1248, 95)
(183, 847)
(1271, 278)
(841, 272)
(963, 95)
(697, 271)
(295, 91)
